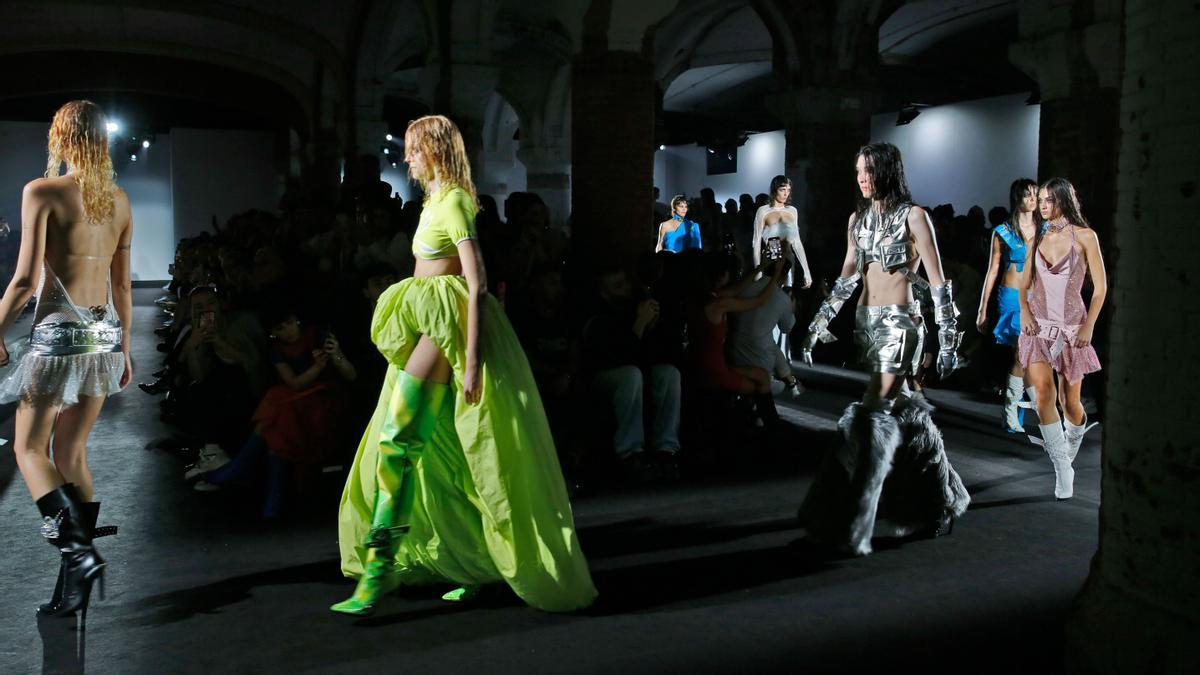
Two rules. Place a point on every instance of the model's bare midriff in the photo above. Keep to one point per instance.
(883, 288)
(1012, 278)
(439, 267)
(80, 253)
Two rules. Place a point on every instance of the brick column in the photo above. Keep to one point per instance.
(612, 146)
(1140, 609)
(1073, 50)
(823, 127)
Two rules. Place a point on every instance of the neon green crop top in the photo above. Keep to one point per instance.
(447, 220)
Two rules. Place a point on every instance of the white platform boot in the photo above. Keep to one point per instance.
(1075, 434)
(1014, 414)
(1055, 444)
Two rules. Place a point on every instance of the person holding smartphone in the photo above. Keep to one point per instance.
(216, 382)
(296, 422)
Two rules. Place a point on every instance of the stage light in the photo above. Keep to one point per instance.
(133, 158)
(113, 127)
(907, 114)
(711, 151)
(662, 147)
(387, 151)
(145, 144)
(388, 137)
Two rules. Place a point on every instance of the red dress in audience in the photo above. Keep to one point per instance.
(299, 425)
(708, 341)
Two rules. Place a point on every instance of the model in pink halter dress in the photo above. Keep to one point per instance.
(1056, 300)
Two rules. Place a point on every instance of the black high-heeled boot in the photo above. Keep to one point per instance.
(65, 527)
(91, 513)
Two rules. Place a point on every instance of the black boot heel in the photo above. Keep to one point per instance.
(66, 527)
(91, 513)
(97, 581)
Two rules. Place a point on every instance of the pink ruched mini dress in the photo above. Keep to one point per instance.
(1056, 300)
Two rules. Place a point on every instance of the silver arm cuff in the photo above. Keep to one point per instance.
(944, 309)
(843, 288)
(945, 314)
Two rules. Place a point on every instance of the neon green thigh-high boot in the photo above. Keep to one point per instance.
(409, 426)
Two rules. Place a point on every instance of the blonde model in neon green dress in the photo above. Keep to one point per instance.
(456, 477)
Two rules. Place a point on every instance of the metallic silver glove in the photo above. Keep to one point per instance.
(818, 330)
(945, 314)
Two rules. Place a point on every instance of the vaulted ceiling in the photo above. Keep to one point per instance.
(312, 64)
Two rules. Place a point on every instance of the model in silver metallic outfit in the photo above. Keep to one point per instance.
(892, 477)
(76, 231)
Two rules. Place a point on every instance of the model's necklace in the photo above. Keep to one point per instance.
(1057, 225)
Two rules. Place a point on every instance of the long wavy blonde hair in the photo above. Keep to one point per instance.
(79, 137)
(438, 139)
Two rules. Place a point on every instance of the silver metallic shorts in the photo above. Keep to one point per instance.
(889, 337)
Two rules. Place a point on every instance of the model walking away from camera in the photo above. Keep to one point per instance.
(1056, 327)
(1009, 253)
(75, 234)
(456, 479)
(889, 436)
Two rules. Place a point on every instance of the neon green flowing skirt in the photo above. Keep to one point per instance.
(490, 501)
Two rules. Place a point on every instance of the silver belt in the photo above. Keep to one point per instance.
(67, 338)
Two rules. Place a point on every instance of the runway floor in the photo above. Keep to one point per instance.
(698, 576)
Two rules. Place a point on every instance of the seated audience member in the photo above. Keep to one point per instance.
(270, 278)
(617, 370)
(353, 322)
(751, 340)
(297, 420)
(717, 298)
(495, 242)
(537, 244)
(663, 276)
(217, 379)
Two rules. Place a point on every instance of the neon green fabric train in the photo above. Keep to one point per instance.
(490, 503)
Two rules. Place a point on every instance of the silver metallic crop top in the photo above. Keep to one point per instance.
(884, 238)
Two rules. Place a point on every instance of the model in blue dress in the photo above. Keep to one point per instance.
(678, 234)
(1009, 252)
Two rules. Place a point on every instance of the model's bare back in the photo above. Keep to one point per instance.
(80, 253)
